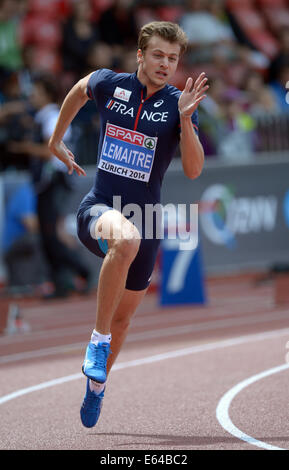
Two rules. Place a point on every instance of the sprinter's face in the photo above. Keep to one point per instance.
(158, 63)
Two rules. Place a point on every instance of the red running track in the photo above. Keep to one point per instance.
(177, 367)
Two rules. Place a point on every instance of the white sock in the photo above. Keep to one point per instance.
(96, 387)
(99, 338)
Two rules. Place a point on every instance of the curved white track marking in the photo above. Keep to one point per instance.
(222, 411)
(151, 359)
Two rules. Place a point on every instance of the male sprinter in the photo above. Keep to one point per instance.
(142, 121)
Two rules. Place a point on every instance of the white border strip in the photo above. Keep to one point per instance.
(222, 411)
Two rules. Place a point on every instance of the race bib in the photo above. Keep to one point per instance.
(127, 153)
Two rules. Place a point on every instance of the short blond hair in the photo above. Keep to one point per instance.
(166, 30)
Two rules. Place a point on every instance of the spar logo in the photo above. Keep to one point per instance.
(223, 216)
(125, 135)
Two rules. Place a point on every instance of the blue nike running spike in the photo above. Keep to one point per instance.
(94, 366)
(91, 407)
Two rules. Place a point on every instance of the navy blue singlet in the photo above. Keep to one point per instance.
(139, 136)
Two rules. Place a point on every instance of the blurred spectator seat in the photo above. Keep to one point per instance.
(99, 6)
(233, 71)
(253, 24)
(249, 18)
(38, 30)
(265, 43)
(50, 9)
(145, 15)
(117, 24)
(180, 77)
(170, 13)
(204, 27)
(44, 59)
(235, 74)
(276, 12)
(209, 68)
(271, 3)
(277, 17)
(232, 4)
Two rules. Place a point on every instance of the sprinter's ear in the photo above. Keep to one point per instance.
(139, 56)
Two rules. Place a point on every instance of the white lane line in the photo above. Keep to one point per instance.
(41, 386)
(149, 320)
(209, 325)
(44, 352)
(150, 359)
(222, 411)
(153, 334)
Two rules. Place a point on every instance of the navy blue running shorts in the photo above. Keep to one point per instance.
(140, 271)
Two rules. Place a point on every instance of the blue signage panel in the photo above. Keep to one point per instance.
(182, 279)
